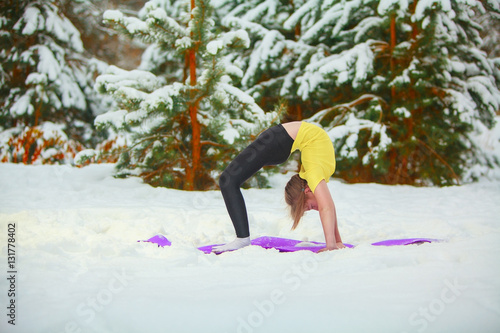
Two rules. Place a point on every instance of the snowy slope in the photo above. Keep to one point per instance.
(81, 269)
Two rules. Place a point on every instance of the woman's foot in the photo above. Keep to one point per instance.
(236, 244)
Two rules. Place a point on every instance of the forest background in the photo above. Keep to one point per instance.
(171, 90)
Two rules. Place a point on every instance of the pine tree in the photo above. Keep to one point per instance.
(268, 63)
(184, 116)
(46, 93)
(432, 87)
(401, 85)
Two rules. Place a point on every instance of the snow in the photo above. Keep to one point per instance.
(240, 34)
(233, 70)
(269, 48)
(33, 22)
(36, 78)
(257, 13)
(184, 42)
(84, 155)
(482, 86)
(328, 18)
(299, 13)
(113, 15)
(321, 68)
(52, 22)
(169, 23)
(214, 46)
(252, 28)
(230, 134)
(72, 95)
(115, 118)
(22, 106)
(240, 95)
(162, 96)
(423, 5)
(132, 24)
(81, 269)
(365, 26)
(386, 5)
(63, 29)
(116, 78)
(48, 63)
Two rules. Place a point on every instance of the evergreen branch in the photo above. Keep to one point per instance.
(147, 176)
(346, 107)
(215, 144)
(439, 157)
(127, 32)
(155, 137)
(160, 27)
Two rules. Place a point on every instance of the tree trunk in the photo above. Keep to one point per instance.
(393, 46)
(195, 125)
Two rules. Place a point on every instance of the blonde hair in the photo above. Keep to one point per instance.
(295, 197)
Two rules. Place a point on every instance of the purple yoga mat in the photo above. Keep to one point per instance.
(281, 244)
(160, 240)
(289, 245)
(292, 245)
(208, 248)
(406, 241)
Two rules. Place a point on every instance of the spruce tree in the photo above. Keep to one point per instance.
(184, 116)
(430, 88)
(402, 87)
(46, 84)
(268, 64)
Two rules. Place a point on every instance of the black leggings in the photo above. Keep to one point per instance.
(272, 147)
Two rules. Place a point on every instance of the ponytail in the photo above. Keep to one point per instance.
(295, 197)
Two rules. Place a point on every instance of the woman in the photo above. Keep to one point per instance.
(305, 191)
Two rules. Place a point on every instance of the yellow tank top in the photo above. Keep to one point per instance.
(317, 154)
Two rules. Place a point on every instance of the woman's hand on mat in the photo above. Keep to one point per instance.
(236, 244)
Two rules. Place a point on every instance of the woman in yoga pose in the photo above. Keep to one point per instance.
(305, 191)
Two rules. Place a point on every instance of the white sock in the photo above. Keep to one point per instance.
(236, 244)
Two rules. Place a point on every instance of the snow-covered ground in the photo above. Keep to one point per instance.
(79, 267)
